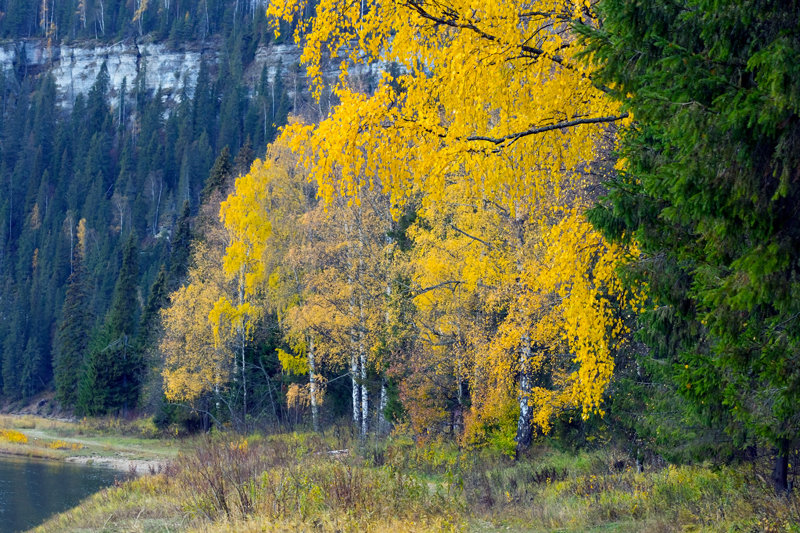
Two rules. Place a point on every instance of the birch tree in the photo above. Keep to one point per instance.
(490, 106)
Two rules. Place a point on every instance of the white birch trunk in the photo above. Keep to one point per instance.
(362, 352)
(312, 384)
(524, 429)
(383, 423)
(353, 355)
(242, 343)
(363, 361)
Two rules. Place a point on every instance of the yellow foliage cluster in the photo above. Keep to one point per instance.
(194, 363)
(12, 435)
(492, 124)
(490, 131)
(62, 445)
(300, 395)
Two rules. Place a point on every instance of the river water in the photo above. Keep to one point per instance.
(32, 490)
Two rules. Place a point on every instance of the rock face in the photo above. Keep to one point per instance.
(75, 66)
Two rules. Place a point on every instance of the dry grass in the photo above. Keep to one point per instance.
(292, 482)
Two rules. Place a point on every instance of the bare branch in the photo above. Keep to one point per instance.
(453, 22)
(541, 129)
(437, 286)
(462, 232)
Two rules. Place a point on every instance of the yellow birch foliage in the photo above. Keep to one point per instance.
(344, 273)
(194, 363)
(476, 80)
(323, 271)
(486, 279)
(261, 218)
(488, 108)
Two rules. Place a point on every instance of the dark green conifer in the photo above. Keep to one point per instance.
(710, 194)
(72, 339)
(180, 247)
(112, 375)
(219, 174)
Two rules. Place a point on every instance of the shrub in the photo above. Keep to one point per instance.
(12, 435)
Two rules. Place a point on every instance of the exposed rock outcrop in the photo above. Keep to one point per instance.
(75, 66)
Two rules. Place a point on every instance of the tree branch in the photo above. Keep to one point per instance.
(541, 129)
(464, 233)
(453, 22)
(437, 286)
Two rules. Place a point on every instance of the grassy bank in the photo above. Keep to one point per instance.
(120, 445)
(308, 483)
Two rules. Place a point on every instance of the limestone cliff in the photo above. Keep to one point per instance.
(75, 65)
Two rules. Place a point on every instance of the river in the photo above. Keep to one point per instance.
(32, 490)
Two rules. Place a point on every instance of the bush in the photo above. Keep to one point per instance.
(12, 435)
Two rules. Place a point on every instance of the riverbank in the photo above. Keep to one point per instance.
(293, 482)
(87, 442)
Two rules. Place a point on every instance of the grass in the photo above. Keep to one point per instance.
(293, 482)
(106, 439)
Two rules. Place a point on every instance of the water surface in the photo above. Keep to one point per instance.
(32, 490)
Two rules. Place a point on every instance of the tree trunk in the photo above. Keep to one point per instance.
(312, 382)
(356, 396)
(384, 426)
(242, 343)
(244, 381)
(362, 354)
(780, 470)
(524, 428)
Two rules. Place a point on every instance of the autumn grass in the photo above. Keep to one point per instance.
(108, 441)
(283, 483)
(295, 482)
(555, 491)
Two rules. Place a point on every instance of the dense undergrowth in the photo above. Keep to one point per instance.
(307, 482)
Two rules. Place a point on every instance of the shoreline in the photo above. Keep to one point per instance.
(64, 441)
(138, 467)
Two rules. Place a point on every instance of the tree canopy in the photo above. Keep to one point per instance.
(708, 188)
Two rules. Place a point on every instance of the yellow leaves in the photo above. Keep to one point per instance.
(141, 7)
(245, 217)
(82, 236)
(229, 320)
(12, 435)
(294, 363)
(544, 274)
(299, 396)
(194, 363)
(590, 292)
(494, 79)
(501, 249)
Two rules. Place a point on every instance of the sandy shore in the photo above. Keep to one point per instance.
(128, 457)
(137, 466)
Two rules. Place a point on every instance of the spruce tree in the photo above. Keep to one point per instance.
(72, 340)
(244, 158)
(112, 375)
(710, 192)
(33, 378)
(218, 175)
(12, 361)
(123, 315)
(181, 248)
(158, 298)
